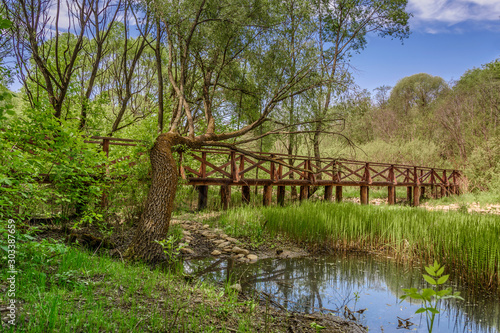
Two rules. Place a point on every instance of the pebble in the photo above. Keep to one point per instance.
(187, 250)
(232, 240)
(216, 253)
(239, 250)
(252, 257)
(223, 245)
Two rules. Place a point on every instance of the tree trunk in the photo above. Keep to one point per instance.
(155, 219)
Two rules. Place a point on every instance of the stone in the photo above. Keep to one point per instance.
(241, 255)
(186, 233)
(188, 238)
(216, 253)
(187, 250)
(222, 235)
(239, 250)
(218, 241)
(227, 249)
(252, 257)
(232, 240)
(236, 287)
(223, 245)
(206, 226)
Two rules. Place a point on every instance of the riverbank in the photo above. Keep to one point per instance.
(86, 287)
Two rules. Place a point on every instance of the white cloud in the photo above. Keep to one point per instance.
(455, 11)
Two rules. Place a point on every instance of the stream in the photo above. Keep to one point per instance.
(364, 288)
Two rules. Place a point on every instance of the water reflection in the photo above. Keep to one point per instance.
(346, 284)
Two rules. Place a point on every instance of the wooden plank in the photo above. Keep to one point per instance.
(364, 195)
(225, 196)
(281, 195)
(245, 194)
(328, 193)
(338, 193)
(267, 195)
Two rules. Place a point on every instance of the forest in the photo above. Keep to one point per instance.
(266, 76)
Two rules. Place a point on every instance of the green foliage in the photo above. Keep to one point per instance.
(171, 246)
(431, 297)
(35, 147)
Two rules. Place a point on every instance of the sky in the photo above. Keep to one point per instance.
(448, 37)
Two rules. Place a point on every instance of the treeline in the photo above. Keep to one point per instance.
(425, 120)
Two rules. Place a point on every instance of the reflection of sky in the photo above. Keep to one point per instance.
(333, 283)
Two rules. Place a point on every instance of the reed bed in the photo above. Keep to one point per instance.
(469, 244)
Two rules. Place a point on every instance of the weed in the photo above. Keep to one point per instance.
(431, 297)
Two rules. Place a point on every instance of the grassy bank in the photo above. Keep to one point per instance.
(66, 289)
(468, 243)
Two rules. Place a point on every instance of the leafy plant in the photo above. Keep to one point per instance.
(431, 297)
(171, 246)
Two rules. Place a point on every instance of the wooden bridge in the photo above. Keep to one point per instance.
(228, 168)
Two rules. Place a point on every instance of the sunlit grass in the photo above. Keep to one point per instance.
(468, 243)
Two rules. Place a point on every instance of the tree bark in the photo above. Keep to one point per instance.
(155, 220)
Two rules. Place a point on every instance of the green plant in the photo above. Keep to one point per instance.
(317, 327)
(431, 297)
(171, 246)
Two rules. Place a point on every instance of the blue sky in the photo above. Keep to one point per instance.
(448, 38)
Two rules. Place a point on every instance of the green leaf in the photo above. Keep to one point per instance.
(443, 279)
(421, 310)
(441, 270)
(433, 310)
(427, 293)
(429, 279)
(429, 270)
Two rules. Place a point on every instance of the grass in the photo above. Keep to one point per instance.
(67, 289)
(467, 242)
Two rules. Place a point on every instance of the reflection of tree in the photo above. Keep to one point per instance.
(309, 284)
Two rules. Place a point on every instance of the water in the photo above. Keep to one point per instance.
(347, 285)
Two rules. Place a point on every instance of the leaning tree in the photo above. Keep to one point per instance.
(219, 49)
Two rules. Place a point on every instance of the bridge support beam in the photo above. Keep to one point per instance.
(245, 194)
(409, 195)
(202, 197)
(304, 193)
(268, 195)
(225, 196)
(416, 196)
(281, 195)
(391, 195)
(364, 195)
(422, 192)
(338, 193)
(328, 193)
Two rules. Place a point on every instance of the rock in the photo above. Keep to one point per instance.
(222, 235)
(242, 260)
(241, 255)
(218, 241)
(187, 250)
(223, 245)
(205, 226)
(252, 257)
(239, 250)
(227, 249)
(236, 287)
(232, 240)
(208, 234)
(188, 238)
(186, 233)
(216, 253)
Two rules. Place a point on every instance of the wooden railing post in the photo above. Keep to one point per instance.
(203, 189)
(304, 189)
(268, 188)
(337, 176)
(225, 196)
(281, 189)
(364, 189)
(391, 189)
(409, 192)
(245, 189)
(416, 188)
